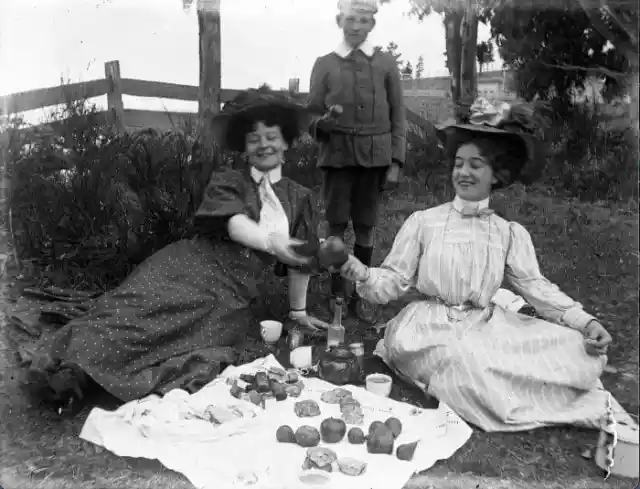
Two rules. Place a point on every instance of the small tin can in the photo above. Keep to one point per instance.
(295, 339)
(358, 350)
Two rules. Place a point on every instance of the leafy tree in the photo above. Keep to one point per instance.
(419, 68)
(407, 70)
(392, 49)
(553, 50)
(484, 54)
(552, 46)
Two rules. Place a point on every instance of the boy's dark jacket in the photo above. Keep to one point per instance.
(370, 132)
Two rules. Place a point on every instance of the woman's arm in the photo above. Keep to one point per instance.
(224, 212)
(397, 274)
(246, 231)
(523, 273)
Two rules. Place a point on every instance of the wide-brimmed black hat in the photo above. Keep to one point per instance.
(517, 125)
(250, 106)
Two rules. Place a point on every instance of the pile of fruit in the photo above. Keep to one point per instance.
(276, 383)
(380, 437)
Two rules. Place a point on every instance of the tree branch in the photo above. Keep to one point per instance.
(597, 70)
(603, 29)
(621, 25)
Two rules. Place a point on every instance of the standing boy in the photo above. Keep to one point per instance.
(363, 144)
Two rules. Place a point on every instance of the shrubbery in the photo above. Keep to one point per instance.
(87, 204)
(596, 155)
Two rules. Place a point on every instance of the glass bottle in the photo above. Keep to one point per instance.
(335, 334)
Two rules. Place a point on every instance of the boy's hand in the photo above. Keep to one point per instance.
(393, 175)
(334, 112)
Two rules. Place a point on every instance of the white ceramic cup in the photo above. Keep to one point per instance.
(301, 357)
(379, 384)
(270, 331)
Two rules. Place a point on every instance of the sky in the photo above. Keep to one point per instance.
(263, 41)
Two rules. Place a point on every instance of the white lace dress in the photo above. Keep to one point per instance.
(499, 370)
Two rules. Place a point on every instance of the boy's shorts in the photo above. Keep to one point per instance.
(353, 193)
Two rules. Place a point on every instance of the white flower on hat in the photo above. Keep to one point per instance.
(484, 112)
(365, 6)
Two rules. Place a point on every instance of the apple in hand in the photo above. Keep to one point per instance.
(333, 253)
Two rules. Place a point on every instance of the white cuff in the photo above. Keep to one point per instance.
(577, 318)
(297, 314)
(508, 300)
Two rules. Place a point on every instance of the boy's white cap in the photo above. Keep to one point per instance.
(364, 6)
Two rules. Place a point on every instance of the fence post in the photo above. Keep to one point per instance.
(115, 107)
(294, 86)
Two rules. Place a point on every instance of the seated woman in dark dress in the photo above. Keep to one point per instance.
(184, 312)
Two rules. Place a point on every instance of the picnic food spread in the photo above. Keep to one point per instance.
(380, 438)
(356, 436)
(307, 436)
(332, 430)
(280, 448)
(276, 382)
(307, 409)
(280, 384)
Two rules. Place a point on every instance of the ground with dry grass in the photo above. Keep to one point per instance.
(589, 250)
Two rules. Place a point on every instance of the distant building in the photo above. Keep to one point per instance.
(431, 97)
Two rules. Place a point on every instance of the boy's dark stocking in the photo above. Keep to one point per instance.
(362, 309)
(363, 253)
(337, 283)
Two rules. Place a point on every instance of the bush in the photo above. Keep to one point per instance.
(595, 155)
(85, 210)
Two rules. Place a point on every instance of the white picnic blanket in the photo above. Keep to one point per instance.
(246, 450)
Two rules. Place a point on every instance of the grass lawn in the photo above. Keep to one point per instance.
(590, 251)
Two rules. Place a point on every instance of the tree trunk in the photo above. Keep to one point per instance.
(210, 76)
(452, 21)
(633, 85)
(469, 41)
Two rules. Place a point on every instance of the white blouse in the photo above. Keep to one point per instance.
(273, 218)
(458, 254)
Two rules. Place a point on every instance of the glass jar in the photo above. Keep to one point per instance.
(338, 366)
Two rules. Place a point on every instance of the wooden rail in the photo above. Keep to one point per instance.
(114, 87)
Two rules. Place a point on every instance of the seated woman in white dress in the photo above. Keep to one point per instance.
(499, 370)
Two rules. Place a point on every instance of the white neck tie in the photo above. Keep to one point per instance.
(273, 218)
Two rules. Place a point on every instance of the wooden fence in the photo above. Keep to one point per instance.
(114, 87)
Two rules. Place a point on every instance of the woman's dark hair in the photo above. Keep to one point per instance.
(506, 155)
(242, 124)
